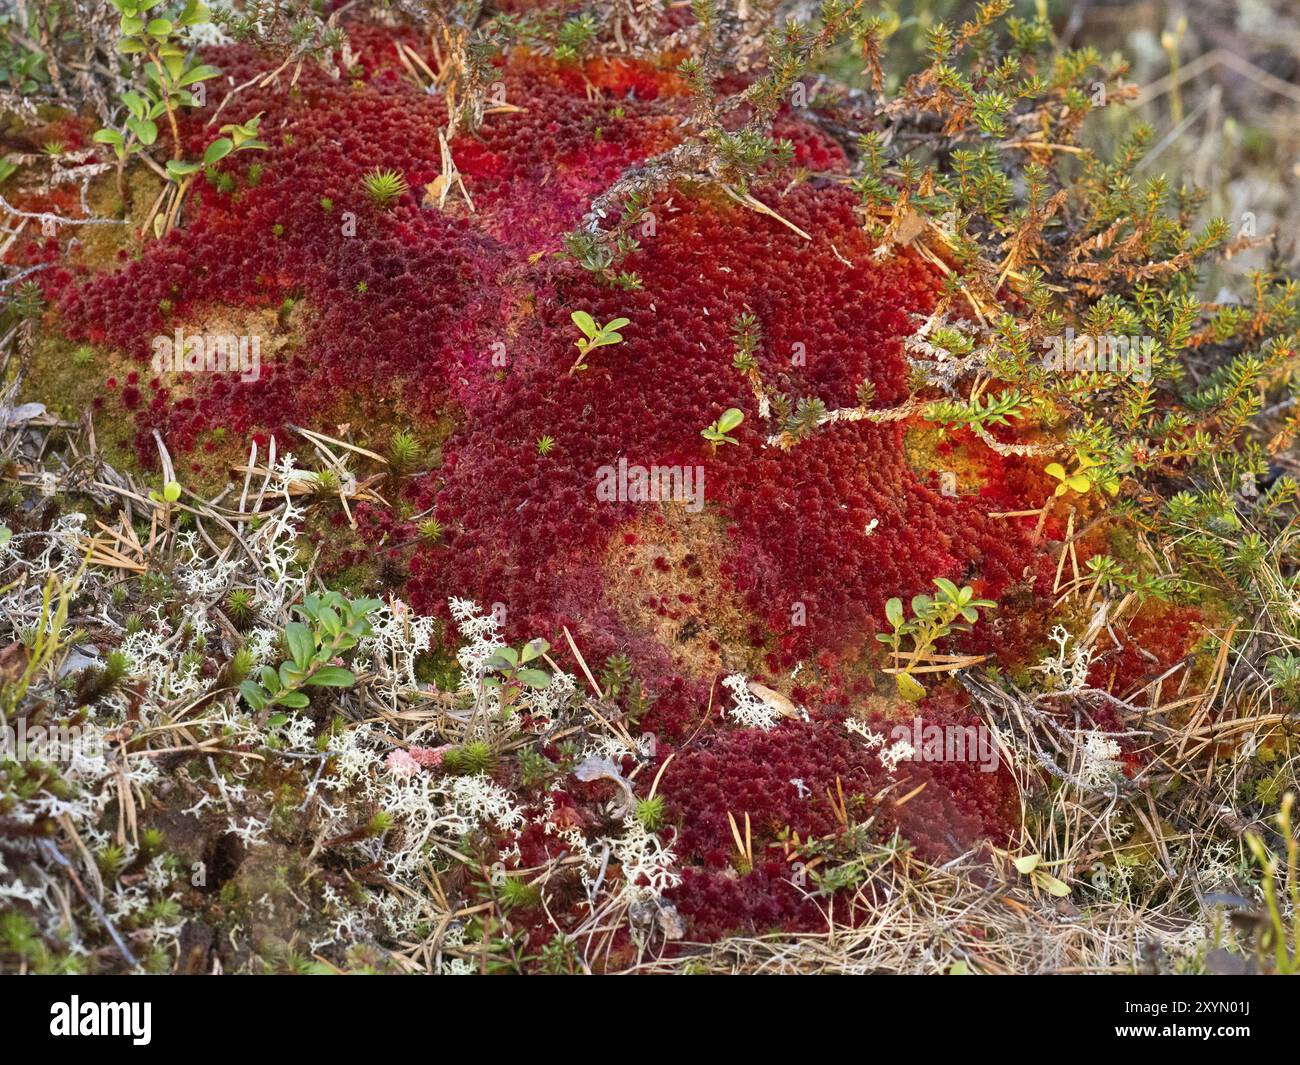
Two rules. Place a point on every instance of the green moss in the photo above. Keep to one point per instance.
(470, 759)
(439, 667)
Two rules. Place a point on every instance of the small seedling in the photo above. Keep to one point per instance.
(517, 893)
(1084, 476)
(382, 822)
(594, 336)
(171, 493)
(238, 137)
(1032, 866)
(472, 759)
(650, 812)
(510, 672)
(239, 606)
(545, 444)
(403, 451)
(328, 483)
(384, 187)
(240, 666)
(111, 860)
(951, 610)
(716, 433)
(28, 300)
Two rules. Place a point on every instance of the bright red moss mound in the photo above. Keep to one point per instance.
(416, 310)
(799, 520)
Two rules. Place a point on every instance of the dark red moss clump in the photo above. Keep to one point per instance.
(808, 783)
